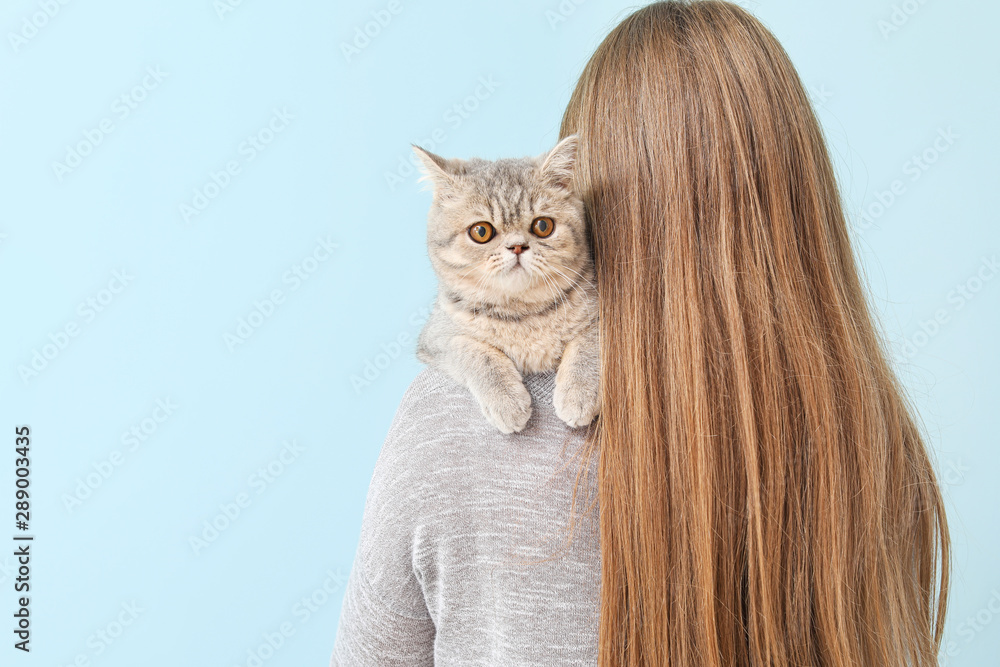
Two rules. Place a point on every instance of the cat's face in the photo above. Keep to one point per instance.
(507, 230)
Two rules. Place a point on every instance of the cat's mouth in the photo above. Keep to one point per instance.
(519, 270)
(517, 275)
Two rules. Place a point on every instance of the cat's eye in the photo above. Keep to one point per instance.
(481, 232)
(542, 226)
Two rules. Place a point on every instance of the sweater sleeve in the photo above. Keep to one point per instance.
(372, 633)
(384, 619)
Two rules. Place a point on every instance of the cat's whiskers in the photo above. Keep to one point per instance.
(477, 289)
(562, 293)
(472, 267)
(543, 268)
(558, 295)
(582, 277)
(552, 286)
(586, 302)
(490, 271)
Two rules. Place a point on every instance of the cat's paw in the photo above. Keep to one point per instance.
(507, 408)
(576, 403)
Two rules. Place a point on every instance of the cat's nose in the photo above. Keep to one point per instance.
(518, 249)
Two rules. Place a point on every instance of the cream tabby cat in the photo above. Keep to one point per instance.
(507, 240)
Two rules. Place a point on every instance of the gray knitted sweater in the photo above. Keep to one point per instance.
(463, 557)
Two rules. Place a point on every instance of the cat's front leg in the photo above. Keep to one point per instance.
(493, 379)
(577, 396)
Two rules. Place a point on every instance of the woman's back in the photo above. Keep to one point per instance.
(463, 556)
(767, 496)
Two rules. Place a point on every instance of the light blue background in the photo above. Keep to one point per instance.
(882, 98)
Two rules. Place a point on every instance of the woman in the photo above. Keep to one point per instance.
(765, 495)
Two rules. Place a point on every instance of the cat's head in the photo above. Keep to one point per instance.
(507, 230)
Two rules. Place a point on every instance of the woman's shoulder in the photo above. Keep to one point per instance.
(437, 405)
(439, 426)
(431, 391)
(435, 414)
(442, 461)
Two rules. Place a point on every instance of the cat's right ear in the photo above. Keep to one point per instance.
(439, 171)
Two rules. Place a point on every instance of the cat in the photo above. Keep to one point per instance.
(516, 295)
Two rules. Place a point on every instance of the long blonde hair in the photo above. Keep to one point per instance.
(766, 497)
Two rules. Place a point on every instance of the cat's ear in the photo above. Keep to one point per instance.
(438, 170)
(558, 164)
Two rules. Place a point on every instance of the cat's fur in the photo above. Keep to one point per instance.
(499, 314)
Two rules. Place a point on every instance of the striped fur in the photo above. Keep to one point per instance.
(500, 313)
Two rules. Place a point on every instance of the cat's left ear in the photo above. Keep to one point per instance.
(557, 166)
(439, 171)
